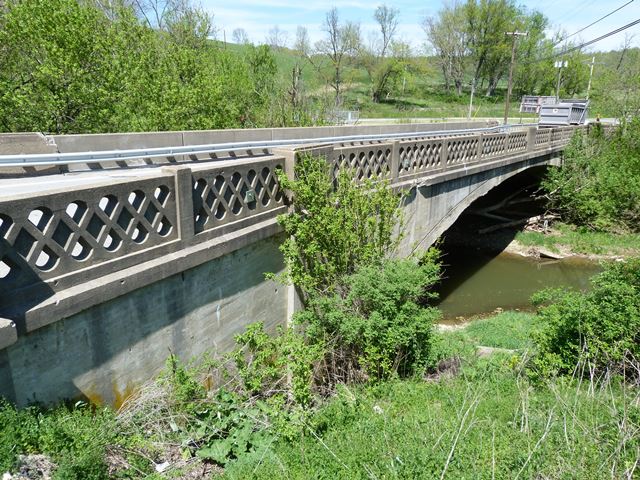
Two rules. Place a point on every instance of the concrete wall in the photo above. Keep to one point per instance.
(432, 207)
(105, 352)
(112, 141)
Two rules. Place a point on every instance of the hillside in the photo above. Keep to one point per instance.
(424, 95)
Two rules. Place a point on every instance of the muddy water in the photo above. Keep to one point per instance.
(477, 283)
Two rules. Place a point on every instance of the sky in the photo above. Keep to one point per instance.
(257, 17)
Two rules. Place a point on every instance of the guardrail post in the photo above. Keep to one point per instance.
(531, 139)
(184, 201)
(395, 161)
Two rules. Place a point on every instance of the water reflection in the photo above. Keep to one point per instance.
(477, 283)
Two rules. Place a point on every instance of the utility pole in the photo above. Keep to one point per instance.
(592, 63)
(515, 35)
(560, 64)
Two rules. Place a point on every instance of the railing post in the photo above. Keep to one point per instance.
(480, 146)
(444, 152)
(184, 201)
(531, 139)
(291, 155)
(395, 162)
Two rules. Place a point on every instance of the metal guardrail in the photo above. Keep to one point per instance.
(53, 159)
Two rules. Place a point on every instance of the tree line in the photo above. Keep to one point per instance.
(72, 66)
(69, 66)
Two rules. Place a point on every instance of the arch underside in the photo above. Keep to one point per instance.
(429, 210)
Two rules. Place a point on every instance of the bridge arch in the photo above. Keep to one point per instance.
(430, 210)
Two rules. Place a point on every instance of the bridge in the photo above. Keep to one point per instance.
(116, 250)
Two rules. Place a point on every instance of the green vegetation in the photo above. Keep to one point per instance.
(599, 184)
(75, 438)
(72, 67)
(363, 309)
(487, 422)
(500, 416)
(507, 330)
(582, 240)
(600, 329)
(75, 67)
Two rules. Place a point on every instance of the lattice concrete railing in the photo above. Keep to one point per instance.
(232, 192)
(56, 240)
(61, 239)
(56, 234)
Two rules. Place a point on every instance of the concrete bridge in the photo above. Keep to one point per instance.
(104, 273)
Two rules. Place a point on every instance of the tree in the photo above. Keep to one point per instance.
(390, 70)
(531, 75)
(342, 42)
(618, 89)
(240, 36)
(489, 47)
(277, 38)
(387, 19)
(72, 67)
(447, 34)
(383, 58)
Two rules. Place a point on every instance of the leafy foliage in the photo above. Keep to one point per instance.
(376, 328)
(266, 363)
(75, 438)
(487, 422)
(74, 67)
(599, 183)
(336, 225)
(600, 328)
(362, 308)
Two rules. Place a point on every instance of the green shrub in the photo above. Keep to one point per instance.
(74, 438)
(599, 183)
(336, 225)
(268, 364)
(376, 327)
(87, 465)
(601, 327)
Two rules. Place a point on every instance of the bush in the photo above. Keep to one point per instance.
(336, 225)
(266, 363)
(376, 328)
(74, 438)
(599, 184)
(601, 327)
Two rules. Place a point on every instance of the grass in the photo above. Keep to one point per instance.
(509, 330)
(486, 420)
(423, 97)
(489, 422)
(579, 240)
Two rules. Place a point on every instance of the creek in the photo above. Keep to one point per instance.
(476, 282)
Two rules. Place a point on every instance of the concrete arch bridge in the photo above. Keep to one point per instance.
(105, 271)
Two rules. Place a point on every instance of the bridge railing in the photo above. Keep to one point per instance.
(57, 240)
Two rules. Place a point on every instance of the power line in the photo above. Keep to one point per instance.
(595, 40)
(574, 11)
(586, 44)
(592, 24)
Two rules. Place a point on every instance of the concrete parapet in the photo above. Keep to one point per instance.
(120, 141)
(26, 143)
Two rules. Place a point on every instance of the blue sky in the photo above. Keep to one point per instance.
(258, 16)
